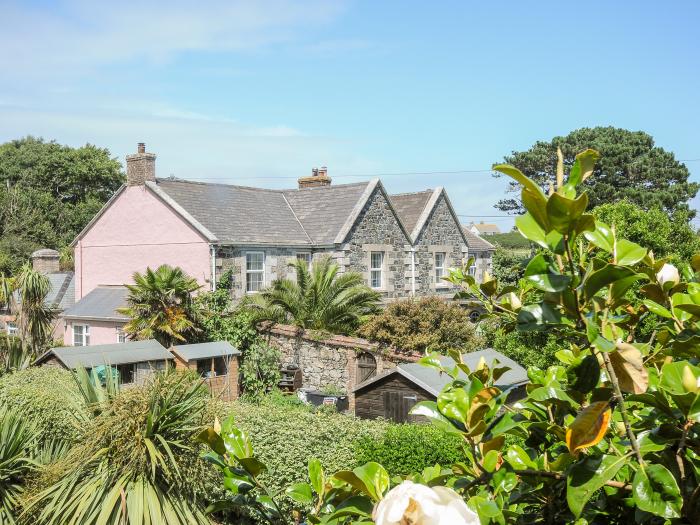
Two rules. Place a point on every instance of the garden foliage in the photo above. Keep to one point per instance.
(428, 324)
(611, 435)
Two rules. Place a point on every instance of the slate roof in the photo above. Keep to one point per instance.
(61, 296)
(475, 242)
(241, 214)
(433, 381)
(409, 206)
(100, 303)
(112, 354)
(323, 211)
(205, 350)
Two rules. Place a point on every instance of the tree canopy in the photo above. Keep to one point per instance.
(631, 167)
(48, 193)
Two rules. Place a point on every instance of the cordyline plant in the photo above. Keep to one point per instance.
(610, 436)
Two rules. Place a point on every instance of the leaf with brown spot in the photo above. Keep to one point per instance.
(629, 367)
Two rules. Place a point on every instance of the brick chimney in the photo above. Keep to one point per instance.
(319, 177)
(140, 167)
(45, 261)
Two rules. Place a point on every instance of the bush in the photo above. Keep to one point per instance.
(260, 369)
(286, 438)
(47, 397)
(531, 349)
(508, 266)
(408, 448)
(424, 325)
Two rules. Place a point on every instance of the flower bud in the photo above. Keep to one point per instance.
(668, 274)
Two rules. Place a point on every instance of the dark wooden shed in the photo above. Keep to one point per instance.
(393, 394)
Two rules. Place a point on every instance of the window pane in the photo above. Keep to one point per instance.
(254, 282)
(126, 373)
(204, 367)
(220, 366)
(254, 261)
(439, 265)
(304, 256)
(77, 335)
(376, 262)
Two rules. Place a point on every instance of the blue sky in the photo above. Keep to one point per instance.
(258, 93)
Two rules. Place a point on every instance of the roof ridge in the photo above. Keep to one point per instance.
(257, 188)
(429, 190)
(291, 208)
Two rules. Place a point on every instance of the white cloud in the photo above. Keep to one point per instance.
(78, 34)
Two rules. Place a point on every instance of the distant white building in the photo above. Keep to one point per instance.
(481, 228)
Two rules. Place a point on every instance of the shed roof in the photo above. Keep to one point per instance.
(433, 381)
(100, 303)
(205, 350)
(113, 354)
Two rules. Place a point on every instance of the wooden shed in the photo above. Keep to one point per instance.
(393, 394)
(216, 362)
(134, 360)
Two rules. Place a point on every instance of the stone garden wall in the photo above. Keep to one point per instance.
(329, 360)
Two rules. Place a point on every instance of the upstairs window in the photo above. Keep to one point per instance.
(376, 269)
(254, 271)
(11, 328)
(81, 335)
(440, 258)
(306, 257)
(472, 270)
(121, 336)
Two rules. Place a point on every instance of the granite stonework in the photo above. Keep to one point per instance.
(441, 234)
(378, 229)
(328, 360)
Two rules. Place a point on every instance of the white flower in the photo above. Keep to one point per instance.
(414, 504)
(668, 274)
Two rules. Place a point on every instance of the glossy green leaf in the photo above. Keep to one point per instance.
(210, 437)
(657, 309)
(518, 458)
(672, 376)
(375, 478)
(300, 492)
(655, 490)
(629, 253)
(563, 213)
(536, 206)
(252, 465)
(528, 228)
(535, 317)
(353, 506)
(549, 282)
(602, 237)
(430, 410)
(585, 376)
(603, 277)
(589, 475)
(316, 476)
(490, 460)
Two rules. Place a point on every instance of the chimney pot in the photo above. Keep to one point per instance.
(318, 177)
(140, 166)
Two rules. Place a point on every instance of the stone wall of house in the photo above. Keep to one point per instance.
(441, 234)
(277, 261)
(331, 360)
(377, 229)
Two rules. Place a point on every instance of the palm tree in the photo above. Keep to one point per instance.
(34, 317)
(160, 305)
(319, 299)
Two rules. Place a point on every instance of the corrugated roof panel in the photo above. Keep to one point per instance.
(113, 354)
(205, 350)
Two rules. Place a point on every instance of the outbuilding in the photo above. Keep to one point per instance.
(216, 363)
(393, 394)
(134, 360)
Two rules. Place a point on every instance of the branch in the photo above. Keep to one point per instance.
(557, 475)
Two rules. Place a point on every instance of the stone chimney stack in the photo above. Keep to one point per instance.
(140, 166)
(319, 177)
(45, 261)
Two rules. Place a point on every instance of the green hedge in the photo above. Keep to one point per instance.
(47, 397)
(408, 448)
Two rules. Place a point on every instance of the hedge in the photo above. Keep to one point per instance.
(47, 397)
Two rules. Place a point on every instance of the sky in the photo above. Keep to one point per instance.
(421, 94)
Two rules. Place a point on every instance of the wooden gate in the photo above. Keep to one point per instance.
(366, 367)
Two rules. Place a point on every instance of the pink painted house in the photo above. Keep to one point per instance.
(401, 244)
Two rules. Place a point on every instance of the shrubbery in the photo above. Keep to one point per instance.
(47, 397)
(428, 324)
(408, 448)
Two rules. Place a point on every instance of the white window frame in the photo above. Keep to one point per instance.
(121, 335)
(249, 272)
(11, 328)
(440, 270)
(305, 256)
(472, 269)
(376, 270)
(85, 336)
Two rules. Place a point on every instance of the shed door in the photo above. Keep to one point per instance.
(397, 405)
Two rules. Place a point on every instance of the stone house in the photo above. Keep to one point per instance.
(481, 228)
(401, 244)
(61, 294)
